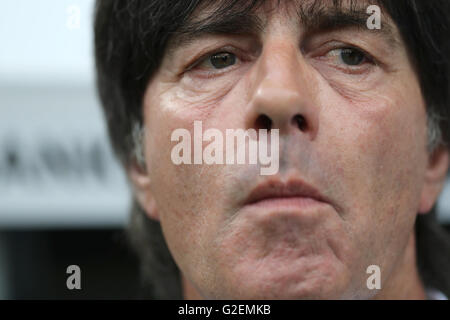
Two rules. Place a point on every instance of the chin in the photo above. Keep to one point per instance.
(318, 277)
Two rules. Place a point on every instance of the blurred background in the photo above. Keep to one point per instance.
(63, 198)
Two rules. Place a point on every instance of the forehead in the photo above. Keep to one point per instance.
(253, 16)
(267, 8)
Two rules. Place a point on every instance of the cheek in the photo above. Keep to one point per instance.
(380, 139)
(380, 158)
(393, 138)
(186, 196)
(179, 107)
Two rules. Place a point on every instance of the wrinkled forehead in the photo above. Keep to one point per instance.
(265, 9)
(252, 17)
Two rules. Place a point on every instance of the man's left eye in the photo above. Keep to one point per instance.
(349, 56)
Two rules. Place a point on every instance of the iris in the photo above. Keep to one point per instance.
(222, 60)
(352, 57)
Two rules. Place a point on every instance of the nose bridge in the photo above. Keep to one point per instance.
(280, 87)
(279, 66)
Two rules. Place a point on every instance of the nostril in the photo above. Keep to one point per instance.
(299, 121)
(263, 122)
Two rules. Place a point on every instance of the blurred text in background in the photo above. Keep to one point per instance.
(63, 197)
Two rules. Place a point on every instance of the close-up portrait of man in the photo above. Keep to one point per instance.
(349, 100)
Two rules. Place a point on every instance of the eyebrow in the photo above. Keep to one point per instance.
(245, 23)
(336, 18)
(313, 18)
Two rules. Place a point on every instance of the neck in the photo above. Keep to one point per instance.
(404, 283)
(189, 291)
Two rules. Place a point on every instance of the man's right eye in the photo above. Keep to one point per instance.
(219, 60)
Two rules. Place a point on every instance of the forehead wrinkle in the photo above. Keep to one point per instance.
(307, 10)
(245, 17)
(222, 17)
(320, 15)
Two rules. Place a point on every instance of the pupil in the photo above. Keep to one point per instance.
(352, 57)
(222, 60)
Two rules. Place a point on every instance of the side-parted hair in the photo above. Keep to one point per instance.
(130, 41)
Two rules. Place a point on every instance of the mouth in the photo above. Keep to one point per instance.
(295, 193)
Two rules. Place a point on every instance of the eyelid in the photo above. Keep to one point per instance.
(367, 57)
(364, 68)
(329, 46)
(204, 56)
(207, 60)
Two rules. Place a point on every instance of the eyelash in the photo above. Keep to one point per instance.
(208, 55)
(347, 69)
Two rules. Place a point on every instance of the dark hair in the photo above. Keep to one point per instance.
(130, 41)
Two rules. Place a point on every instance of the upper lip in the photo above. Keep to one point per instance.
(278, 189)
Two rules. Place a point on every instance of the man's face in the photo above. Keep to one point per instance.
(362, 146)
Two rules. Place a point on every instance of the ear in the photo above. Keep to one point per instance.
(142, 190)
(435, 177)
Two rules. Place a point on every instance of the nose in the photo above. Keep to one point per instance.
(282, 92)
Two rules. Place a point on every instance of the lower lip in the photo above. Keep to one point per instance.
(288, 202)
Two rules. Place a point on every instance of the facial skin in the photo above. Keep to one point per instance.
(363, 148)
